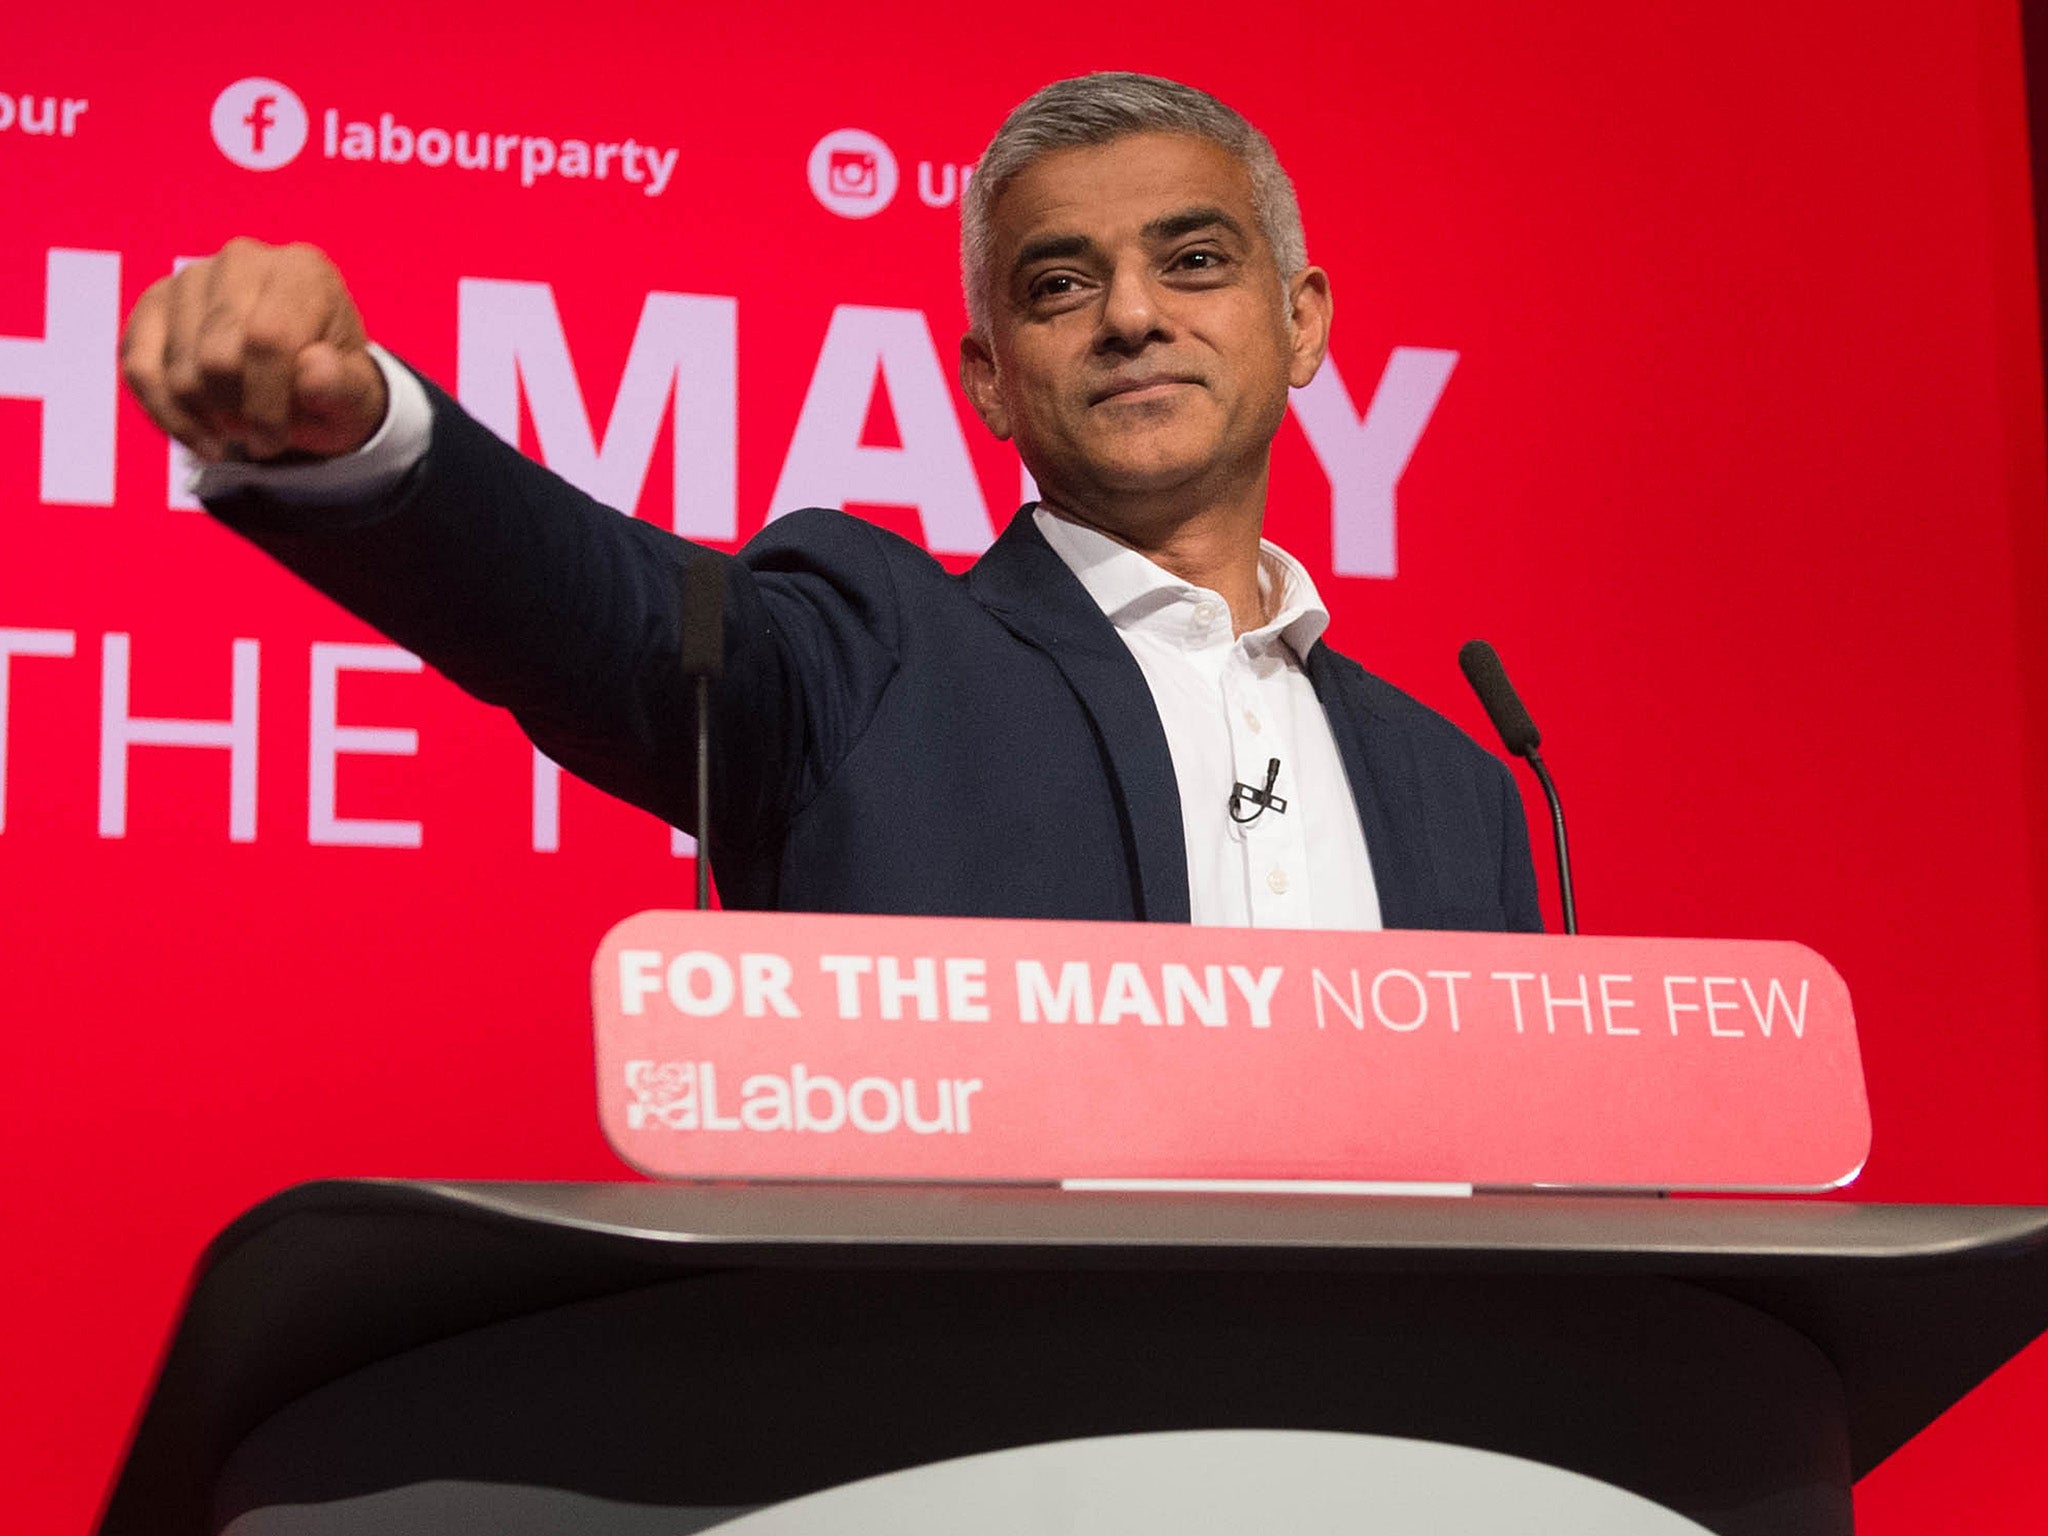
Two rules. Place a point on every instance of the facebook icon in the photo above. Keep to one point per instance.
(259, 124)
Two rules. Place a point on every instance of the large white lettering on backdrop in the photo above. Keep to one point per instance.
(829, 466)
(71, 369)
(684, 356)
(122, 729)
(509, 336)
(1365, 456)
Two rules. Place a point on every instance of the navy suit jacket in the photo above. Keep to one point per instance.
(889, 737)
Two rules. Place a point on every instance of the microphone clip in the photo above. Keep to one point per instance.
(1263, 798)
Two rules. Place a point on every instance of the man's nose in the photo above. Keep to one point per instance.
(1131, 313)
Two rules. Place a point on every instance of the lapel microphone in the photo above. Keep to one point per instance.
(1263, 798)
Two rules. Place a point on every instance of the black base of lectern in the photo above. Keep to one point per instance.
(655, 1358)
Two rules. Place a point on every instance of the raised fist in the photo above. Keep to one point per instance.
(256, 353)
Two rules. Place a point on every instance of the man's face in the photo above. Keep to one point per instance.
(1141, 343)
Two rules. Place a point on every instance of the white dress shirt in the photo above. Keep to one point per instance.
(1231, 704)
(400, 441)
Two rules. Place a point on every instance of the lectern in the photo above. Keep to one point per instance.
(629, 1358)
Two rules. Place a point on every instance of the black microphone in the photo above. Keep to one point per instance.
(1518, 733)
(1264, 798)
(701, 653)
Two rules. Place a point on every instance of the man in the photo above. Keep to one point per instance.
(1122, 711)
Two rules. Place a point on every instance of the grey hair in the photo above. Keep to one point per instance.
(1099, 108)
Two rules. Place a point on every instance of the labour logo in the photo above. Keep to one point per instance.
(852, 173)
(259, 124)
(664, 1093)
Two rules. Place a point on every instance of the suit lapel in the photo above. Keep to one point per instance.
(1386, 783)
(1029, 588)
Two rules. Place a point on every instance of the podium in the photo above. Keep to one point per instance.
(628, 1358)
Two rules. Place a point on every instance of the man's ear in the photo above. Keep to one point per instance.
(982, 385)
(1308, 323)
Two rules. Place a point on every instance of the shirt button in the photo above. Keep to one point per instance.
(1276, 882)
(1205, 613)
(1252, 721)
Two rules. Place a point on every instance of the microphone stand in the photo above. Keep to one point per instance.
(704, 798)
(1564, 852)
(701, 658)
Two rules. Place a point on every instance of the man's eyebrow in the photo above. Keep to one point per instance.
(1051, 248)
(1189, 221)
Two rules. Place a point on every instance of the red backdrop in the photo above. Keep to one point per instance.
(1740, 463)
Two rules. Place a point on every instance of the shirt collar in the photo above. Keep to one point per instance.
(1129, 589)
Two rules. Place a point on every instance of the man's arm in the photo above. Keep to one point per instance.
(519, 587)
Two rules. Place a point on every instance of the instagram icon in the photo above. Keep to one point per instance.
(852, 173)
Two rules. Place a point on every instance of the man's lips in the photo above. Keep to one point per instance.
(1122, 389)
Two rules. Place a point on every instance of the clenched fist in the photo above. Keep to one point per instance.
(256, 353)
